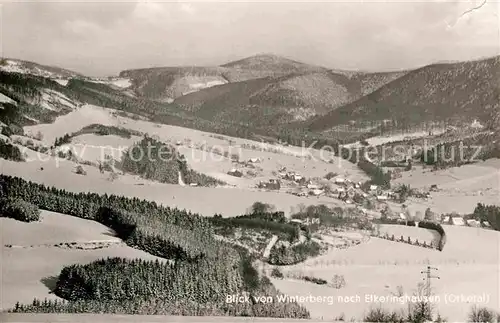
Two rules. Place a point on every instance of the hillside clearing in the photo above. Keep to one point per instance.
(226, 201)
(468, 266)
(459, 188)
(53, 228)
(29, 272)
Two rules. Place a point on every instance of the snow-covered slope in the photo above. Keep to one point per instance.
(6, 99)
(24, 67)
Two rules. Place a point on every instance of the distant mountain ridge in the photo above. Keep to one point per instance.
(169, 83)
(440, 92)
(261, 90)
(263, 96)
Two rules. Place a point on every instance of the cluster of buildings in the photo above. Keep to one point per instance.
(460, 221)
(249, 163)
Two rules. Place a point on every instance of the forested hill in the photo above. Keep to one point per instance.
(457, 92)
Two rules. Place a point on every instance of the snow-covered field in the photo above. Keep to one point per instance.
(34, 253)
(384, 139)
(468, 264)
(72, 122)
(18, 66)
(415, 233)
(273, 156)
(31, 272)
(53, 228)
(468, 267)
(63, 82)
(94, 148)
(226, 201)
(459, 188)
(121, 83)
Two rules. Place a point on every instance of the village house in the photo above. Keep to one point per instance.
(235, 172)
(476, 124)
(340, 181)
(456, 220)
(339, 190)
(373, 188)
(393, 195)
(193, 184)
(297, 178)
(254, 160)
(473, 223)
(282, 175)
(382, 197)
(316, 192)
(292, 176)
(272, 184)
(312, 186)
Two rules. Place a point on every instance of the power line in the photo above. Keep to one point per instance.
(428, 277)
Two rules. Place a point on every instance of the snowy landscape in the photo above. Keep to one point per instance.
(262, 189)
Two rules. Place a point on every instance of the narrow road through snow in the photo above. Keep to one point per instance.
(181, 181)
(269, 246)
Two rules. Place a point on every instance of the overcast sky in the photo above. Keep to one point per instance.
(103, 38)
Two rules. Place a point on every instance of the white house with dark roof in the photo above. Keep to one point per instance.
(456, 220)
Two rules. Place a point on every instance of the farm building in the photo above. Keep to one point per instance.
(316, 192)
(235, 172)
(476, 124)
(473, 223)
(456, 220)
(297, 178)
(291, 176)
(272, 184)
(297, 221)
(254, 160)
(193, 184)
(312, 186)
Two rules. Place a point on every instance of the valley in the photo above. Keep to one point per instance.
(226, 213)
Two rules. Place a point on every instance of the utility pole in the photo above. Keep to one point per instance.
(427, 278)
